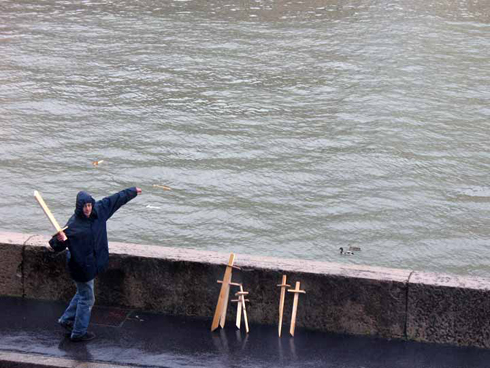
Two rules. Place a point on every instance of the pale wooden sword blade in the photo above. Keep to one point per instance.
(245, 318)
(293, 317)
(296, 292)
(283, 286)
(225, 289)
(225, 308)
(48, 213)
(238, 312)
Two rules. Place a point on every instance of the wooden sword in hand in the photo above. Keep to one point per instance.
(50, 216)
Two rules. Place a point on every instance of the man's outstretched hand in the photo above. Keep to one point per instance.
(138, 190)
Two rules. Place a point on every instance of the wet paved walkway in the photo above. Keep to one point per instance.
(138, 339)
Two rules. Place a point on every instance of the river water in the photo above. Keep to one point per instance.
(283, 128)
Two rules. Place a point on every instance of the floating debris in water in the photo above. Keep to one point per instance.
(355, 249)
(164, 187)
(152, 207)
(97, 163)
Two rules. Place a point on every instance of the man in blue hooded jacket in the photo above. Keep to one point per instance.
(87, 255)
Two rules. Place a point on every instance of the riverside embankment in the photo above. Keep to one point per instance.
(358, 300)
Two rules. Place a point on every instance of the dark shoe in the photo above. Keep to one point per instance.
(87, 337)
(67, 326)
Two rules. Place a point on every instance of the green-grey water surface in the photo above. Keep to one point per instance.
(284, 128)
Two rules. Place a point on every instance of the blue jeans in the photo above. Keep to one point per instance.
(80, 308)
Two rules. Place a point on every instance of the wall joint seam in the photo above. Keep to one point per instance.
(405, 332)
(22, 269)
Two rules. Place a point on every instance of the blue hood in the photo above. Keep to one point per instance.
(82, 198)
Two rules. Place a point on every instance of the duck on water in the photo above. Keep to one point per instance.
(346, 253)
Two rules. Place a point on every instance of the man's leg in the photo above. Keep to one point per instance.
(66, 320)
(69, 315)
(86, 300)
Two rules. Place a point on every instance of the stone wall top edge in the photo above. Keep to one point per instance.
(449, 280)
(14, 238)
(243, 260)
(262, 262)
(271, 263)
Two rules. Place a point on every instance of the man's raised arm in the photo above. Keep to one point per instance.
(111, 204)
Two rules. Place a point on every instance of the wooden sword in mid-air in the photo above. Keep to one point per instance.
(50, 216)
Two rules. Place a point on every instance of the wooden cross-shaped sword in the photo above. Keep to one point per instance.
(222, 305)
(223, 315)
(50, 216)
(283, 286)
(296, 292)
(241, 307)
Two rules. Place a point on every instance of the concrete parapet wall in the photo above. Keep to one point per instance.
(11, 263)
(362, 300)
(449, 309)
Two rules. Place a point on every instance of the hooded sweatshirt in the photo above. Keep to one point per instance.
(87, 236)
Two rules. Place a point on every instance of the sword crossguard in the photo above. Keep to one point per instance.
(297, 289)
(230, 283)
(62, 229)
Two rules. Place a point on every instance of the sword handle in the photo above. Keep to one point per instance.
(62, 231)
